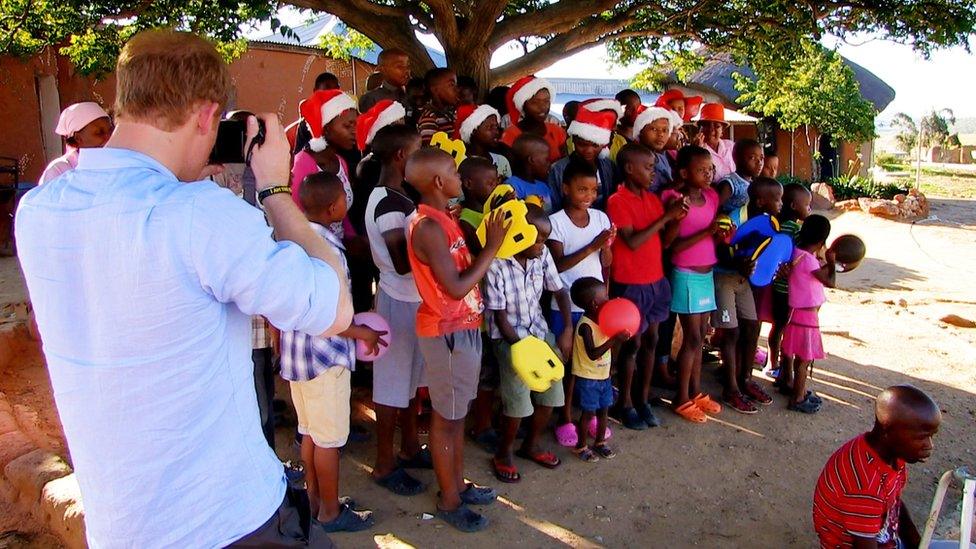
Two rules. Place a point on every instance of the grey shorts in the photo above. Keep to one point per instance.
(453, 363)
(733, 300)
(516, 396)
(398, 373)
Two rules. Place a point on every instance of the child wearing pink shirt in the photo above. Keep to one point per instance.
(692, 244)
(801, 338)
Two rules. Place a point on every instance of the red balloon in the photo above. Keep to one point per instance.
(619, 315)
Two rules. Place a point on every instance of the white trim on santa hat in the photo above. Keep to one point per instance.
(475, 119)
(330, 110)
(589, 132)
(389, 115)
(605, 105)
(651, 114)
(528, 90)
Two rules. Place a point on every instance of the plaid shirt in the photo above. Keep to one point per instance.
(260, 334)
(303, 357)
(517, 291)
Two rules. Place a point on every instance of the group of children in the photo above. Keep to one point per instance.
(627, 201)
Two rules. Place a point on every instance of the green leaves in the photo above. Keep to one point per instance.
(345, 46)
(815, 88)
(92, 32)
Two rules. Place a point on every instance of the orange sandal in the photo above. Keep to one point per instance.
(706, 404)
(689, 411)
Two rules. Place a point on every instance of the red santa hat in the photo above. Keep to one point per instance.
(380, 115)
(593, 126)
(320, 109)
(692, 103)
(651, 114)
(521, 91)
(469, 117)
(597, 105)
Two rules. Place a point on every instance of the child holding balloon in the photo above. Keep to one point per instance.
(318, 371)
(692, 240)
(801, 338)
(591, 368)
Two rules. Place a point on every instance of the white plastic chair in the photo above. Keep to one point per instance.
(968, 481)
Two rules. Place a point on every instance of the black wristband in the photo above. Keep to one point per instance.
(279, 189)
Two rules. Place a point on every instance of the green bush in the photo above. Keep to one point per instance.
(887, 159)
(846, 188)
(785, 179)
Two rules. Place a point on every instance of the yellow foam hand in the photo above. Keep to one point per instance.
(497, 195)
(534, 199)
(453, 147)
(520, 235)
(536, 364)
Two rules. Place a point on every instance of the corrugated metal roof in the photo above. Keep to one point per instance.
(310, 33)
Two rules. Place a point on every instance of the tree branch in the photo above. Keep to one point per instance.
(553, 19)
(559, 47)
(445, 24)
(387, 26)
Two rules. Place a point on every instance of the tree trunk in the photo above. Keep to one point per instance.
(474, 62)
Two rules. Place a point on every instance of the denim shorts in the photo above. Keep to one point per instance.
(592, 394)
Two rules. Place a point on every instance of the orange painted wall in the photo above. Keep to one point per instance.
(266, 78)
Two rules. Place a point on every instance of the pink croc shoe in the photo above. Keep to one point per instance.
(566, 435)
(592, 429)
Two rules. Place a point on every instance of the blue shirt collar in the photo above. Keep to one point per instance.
(108, 158)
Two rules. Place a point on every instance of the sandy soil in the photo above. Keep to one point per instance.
(738, 481)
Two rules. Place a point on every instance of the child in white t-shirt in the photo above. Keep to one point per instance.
(580, 246)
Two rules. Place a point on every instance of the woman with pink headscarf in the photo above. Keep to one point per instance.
(83, 126)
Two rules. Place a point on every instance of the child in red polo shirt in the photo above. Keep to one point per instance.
(637, 274)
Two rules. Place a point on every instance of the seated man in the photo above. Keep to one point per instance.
(857, 502)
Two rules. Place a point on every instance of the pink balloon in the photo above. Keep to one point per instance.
(619, 315)
(378, 323)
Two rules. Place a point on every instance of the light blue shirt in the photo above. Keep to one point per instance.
(143, 288)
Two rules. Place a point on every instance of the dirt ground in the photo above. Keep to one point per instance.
(737, 481)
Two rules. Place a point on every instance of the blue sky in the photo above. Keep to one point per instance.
(946, 80)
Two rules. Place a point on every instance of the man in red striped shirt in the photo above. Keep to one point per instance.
(857, 502)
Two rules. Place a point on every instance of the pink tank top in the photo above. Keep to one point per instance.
(701, 253)
(439, 313)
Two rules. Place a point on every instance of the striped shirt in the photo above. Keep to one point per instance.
(517, 291)
(433, 120)
(303, 356)
(858, 494)
(791, 228)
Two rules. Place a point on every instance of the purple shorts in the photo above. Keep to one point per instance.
(652, 300)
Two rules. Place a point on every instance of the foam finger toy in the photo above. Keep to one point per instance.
(499, 192)
(536, 364)
(769, 255)
(453, 147)
(521, 234)
(378, 323)
(619, 315)
(753, 232)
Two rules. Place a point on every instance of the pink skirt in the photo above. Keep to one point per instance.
(801, 338)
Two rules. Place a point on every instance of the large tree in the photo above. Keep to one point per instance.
(814, 90)
(471, 30)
